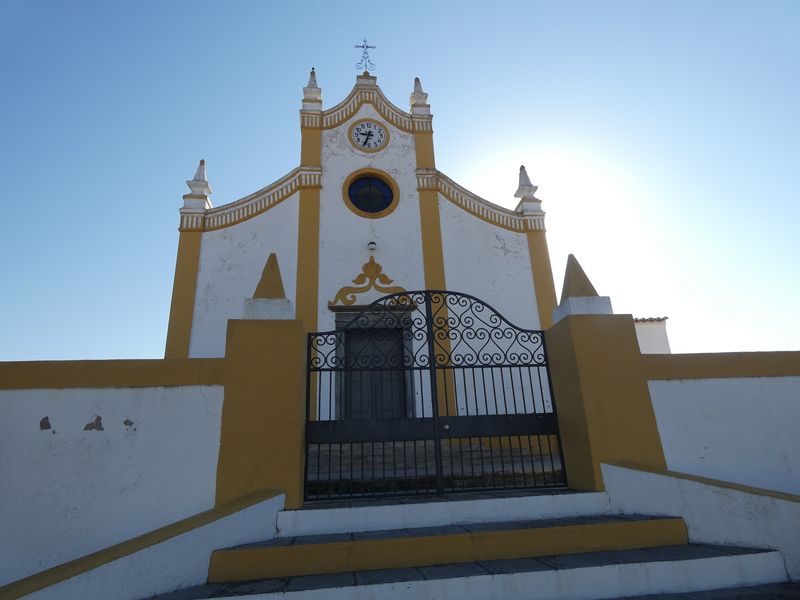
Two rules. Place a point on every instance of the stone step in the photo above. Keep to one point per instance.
(687, 570)
(437, 511)
(772, 591)
(418, 547)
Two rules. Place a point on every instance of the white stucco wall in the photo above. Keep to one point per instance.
(652, 337)
(743, 430)
(231, 262)
(713, 514)
(176, 563)
(490, 263)
(69, 491)
(344, 235)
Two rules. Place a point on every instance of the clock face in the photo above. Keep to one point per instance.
(368, 135)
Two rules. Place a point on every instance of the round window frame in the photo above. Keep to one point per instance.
(361, 148)
(370, 172)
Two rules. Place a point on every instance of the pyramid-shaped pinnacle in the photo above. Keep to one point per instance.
(418, 96)
(576, 282)
(526, 190)
(199, 184)
(200, 174)
(312, 79)
(312, 91)
(271, 283)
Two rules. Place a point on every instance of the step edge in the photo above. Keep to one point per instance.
(526, 524)
(569, 572)
(447, 500)
(241, 564)
(377, 518)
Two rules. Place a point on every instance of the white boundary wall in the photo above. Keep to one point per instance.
(742, 430)
(69, 491)
(714, 514)
(176, 563)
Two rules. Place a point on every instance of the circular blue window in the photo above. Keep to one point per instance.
(370, 194)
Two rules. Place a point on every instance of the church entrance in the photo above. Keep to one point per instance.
(428, 392)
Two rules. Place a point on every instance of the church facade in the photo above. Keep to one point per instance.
(366, 213)
(366, 273)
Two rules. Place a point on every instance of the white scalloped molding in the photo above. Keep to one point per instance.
(254, 204)
(431, 179)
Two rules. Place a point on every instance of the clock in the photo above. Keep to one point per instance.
(368, 135)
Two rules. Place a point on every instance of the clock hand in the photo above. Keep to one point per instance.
(367, 135)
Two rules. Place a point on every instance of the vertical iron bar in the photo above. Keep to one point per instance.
(308, 413)
(434, 392)
(499, 438)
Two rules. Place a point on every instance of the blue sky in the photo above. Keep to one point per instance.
(664, 137)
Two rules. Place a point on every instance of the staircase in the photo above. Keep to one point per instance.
(559, 545)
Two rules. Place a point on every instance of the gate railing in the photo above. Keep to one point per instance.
(429, 392)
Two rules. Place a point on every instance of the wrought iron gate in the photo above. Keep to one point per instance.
(429, 392)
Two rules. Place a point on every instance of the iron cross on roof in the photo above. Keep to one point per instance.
(365, 63)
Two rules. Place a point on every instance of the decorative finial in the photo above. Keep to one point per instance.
(365, 62)
(312, 93)
(199, 184)
(418, 97)
(526, 189)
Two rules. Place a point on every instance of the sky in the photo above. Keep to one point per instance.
(664, 138)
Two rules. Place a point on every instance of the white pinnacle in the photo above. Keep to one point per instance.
(312, 92)
(526, 189)
(418, 97)
(199, 184)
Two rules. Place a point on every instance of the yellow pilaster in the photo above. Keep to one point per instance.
(542, 276)
(430, 222)
(263, 416)
(307, 290)
(432, 252)
(600, 389)
(181, 310)
(423, 142)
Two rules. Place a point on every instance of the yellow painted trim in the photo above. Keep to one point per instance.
(423, 145)
(383, 176)
(371, 277)
(184, 286)
(600, 391)
(240, 564)
(383, 126)
(432, 249)
(747, 489)
(307, 285)
(111, 373)
(310, 146)
(263, 416)
(307, 272)
(76, 567)
(721, 365)
(543, 285)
